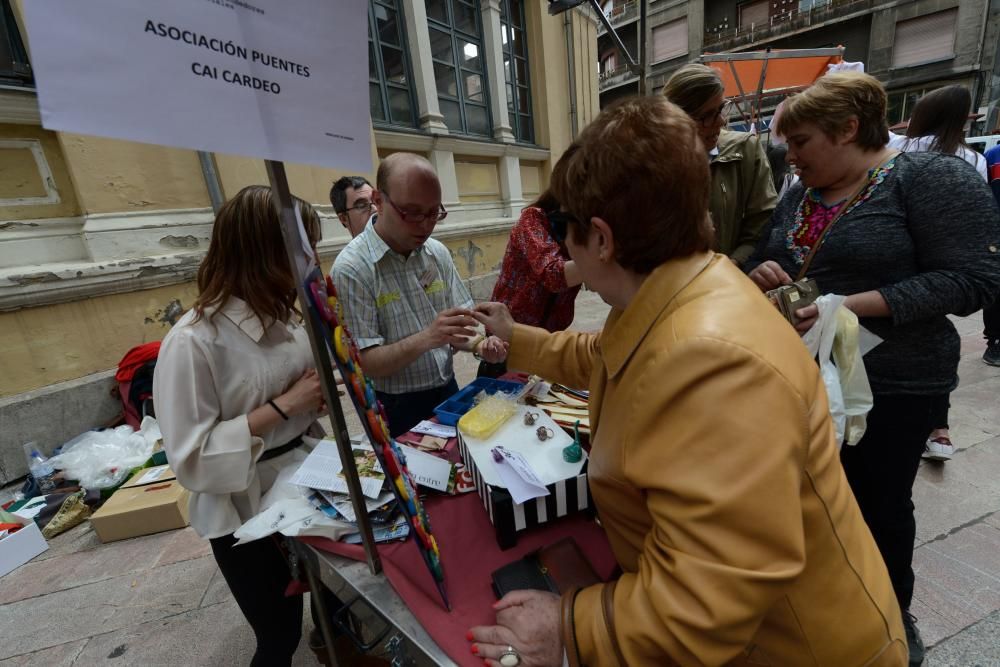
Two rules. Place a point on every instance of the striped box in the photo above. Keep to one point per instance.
(509, 518)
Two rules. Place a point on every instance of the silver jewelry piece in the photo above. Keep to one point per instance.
(510, 658)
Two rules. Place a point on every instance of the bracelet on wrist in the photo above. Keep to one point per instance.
(278, 410)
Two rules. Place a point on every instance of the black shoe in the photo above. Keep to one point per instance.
(913, 640)
(992, 354)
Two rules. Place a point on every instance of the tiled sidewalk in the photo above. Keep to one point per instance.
(160, 600)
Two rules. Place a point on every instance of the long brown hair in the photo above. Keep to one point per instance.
(246, 257)
(942, 114)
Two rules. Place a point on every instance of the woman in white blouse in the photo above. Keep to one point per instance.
(235, 390)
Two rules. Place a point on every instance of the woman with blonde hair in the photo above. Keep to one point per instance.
(742, 195)
(908, 238)
(236, 390)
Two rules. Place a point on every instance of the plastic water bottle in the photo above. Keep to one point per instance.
(41, 469)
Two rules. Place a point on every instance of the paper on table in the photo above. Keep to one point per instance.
(345, 507)
(427, 469)
(321, 470)
(521, 481)
(545, 457)
(427, 427)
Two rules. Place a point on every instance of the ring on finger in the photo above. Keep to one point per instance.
(509, 658)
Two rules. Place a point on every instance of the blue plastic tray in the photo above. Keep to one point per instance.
(451, 411)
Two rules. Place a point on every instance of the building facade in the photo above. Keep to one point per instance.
(100, 239)
(912, 46)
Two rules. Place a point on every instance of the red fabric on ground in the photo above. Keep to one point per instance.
(134, 358)
(469, 554)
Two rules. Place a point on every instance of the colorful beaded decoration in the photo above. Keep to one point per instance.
(329, 311)
(813, 216)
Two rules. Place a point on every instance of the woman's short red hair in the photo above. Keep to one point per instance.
(640, 167)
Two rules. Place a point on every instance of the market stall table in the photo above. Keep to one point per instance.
(406, 598)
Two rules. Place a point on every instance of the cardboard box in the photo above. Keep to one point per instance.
(150, 502)
(18, 548)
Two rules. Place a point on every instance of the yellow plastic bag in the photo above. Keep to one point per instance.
(490, 413)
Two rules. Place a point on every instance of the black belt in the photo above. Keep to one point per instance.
(278, 451)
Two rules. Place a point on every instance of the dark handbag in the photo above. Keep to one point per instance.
(556, 568)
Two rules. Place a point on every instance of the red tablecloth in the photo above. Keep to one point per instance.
(469, 554)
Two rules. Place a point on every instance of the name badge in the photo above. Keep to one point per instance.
(428, 276)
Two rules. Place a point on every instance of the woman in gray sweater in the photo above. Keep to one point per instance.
(908, 239)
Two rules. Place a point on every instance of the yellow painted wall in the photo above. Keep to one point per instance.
(113, 176)
(531, 180)
(61, 342)
(51, 344)
(18, 166)
(478, 179)
(477, 255)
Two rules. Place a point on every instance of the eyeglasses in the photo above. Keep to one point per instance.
(707, 119)
(364, 207)
(559, 222)
(416, 218)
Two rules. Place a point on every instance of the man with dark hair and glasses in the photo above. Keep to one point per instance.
(403, 299)
(351, 197)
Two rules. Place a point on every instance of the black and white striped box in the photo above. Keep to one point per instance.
(509, 518)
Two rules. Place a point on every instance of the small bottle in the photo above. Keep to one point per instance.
(41, 469)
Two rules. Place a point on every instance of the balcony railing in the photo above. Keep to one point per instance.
(621, 13)
(779, 24)
(615, 77)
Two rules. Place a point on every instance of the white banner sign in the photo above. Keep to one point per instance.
(276, 79)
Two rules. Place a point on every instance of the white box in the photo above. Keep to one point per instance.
(20, 547)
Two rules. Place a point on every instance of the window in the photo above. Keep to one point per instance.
(670, 40)
(925, 39)
(515, 62)
(390, 89)
(901, 103)
(456, 33)
(14, 67)
(753, 15)
(609, 63)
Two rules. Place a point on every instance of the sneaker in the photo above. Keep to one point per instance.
(992, 354)
(913, 640)
(938, 449)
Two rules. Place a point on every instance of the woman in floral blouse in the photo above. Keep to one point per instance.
(538, 281)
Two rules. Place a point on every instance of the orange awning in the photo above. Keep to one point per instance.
(753, 74)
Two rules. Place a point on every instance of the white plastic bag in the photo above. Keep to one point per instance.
(103, 459)
(838, 343)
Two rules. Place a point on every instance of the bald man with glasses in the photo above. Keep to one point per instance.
(404, 302)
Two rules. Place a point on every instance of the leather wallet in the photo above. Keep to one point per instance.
(556, 568)
(789, 298)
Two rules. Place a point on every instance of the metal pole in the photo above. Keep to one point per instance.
(574, 123)
(321, 354)
(614, 35)
(211, 180)
(643, 56)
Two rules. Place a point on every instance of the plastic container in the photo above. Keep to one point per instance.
(41, 470)
(450, 411)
